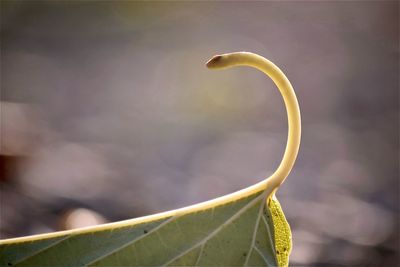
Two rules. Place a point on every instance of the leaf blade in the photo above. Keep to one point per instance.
(237, 233)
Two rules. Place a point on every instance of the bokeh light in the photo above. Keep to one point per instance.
(108, 113)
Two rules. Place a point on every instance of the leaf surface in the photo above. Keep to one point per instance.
(244, 232)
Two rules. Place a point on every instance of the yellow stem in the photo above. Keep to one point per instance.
(289, 97)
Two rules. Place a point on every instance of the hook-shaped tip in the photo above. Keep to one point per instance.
(213, 62)
(292, 107)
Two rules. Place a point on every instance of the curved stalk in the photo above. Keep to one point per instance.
(289, 97)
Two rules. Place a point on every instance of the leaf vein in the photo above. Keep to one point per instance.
(42, 250)
(262, 256)
(213, 233)
(255, 231)
(198, 257)
(269, 234)
(130, 242)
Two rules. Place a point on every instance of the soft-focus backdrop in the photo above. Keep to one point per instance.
(108, 113)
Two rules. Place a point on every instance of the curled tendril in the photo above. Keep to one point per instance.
(292, 107)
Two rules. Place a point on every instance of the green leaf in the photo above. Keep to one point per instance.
(244, 232)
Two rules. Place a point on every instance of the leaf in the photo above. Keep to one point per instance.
(239, 233)
(245, 228)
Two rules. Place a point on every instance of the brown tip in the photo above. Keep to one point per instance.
(213, 60)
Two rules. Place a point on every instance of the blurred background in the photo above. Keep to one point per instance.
(108, 113)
